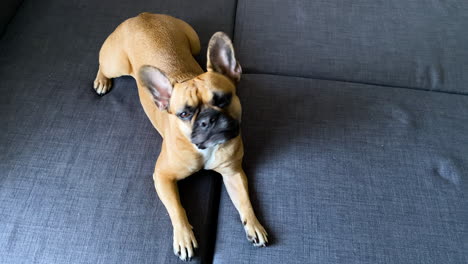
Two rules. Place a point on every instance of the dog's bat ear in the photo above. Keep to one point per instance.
(221, 57)
(157, 84)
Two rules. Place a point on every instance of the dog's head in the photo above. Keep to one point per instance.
(206, 107)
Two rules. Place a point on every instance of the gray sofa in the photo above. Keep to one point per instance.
(355, 126)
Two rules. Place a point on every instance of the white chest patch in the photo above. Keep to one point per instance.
(209, 156)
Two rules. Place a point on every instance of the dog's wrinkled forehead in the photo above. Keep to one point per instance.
(211, 89)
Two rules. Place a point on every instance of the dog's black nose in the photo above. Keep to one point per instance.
(208, 121)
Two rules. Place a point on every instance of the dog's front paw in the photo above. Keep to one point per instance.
(255, 232)
(184, 242)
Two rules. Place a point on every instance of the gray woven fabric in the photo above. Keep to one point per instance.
(419, 44)
(339, 172)
(76, 169)
(349, 173)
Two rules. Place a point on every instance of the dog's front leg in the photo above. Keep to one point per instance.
(236, 185)
(184, 242)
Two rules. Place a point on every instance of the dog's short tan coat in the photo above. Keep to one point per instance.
(157, 50)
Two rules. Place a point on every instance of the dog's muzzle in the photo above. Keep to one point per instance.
(212, 127)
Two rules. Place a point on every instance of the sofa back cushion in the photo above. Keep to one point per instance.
(7, 11)
(417, 44)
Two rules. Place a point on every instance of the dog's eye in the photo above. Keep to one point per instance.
(221, 100)
(185, 115)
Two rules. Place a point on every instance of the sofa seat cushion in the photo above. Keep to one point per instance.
(350, 173)
(76, 169)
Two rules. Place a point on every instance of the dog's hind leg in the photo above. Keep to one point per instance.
(113, 63)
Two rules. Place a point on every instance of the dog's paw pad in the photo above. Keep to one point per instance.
(102, 85)
(255, 233)
(184, 243)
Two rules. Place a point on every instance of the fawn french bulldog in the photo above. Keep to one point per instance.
(197, 113)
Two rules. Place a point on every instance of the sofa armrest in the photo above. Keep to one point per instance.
(7, 10)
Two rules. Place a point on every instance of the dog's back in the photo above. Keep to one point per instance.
(152, 39)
